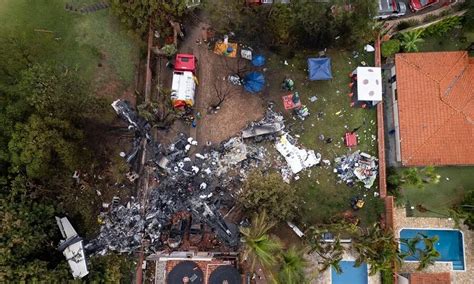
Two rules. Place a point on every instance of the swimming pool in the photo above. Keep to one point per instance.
(350, 274)
(450, 245)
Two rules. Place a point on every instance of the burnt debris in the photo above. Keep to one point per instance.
(202, 185)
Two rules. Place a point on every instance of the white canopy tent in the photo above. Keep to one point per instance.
(369, 84)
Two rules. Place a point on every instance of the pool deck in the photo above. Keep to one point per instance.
(325, 276)
(401, 221)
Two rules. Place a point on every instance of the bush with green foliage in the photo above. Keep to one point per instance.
(390, 47)
(465, 211)
(468, 18)
(442, 27)
(269, 193)
(137, 15)
(302, 22)
(410, 40)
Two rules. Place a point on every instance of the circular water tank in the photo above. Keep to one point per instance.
(185, 272)
(225, 274)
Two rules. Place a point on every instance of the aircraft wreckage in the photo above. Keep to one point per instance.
(202, 184)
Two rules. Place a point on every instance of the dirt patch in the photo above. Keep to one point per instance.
(236, 111)
(108, 85)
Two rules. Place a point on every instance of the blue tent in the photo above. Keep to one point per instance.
(258, 60)
(319, 68)
(254, 82)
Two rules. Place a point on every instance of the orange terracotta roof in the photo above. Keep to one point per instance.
(435, 92)
(430, 278)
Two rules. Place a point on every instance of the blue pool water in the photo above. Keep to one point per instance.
(350, 274)
(449, 245)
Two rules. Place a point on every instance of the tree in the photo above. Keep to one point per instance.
(330, 253)
(417, 177)
(222, 90)
(226, 16)
(292, 266)
(269, 193)
(259, 247)
(390, 47)
(468, 18)
(377, 248)
(280, 24)
(410, 40)
(426, 255)
(464, 211)
(27, 233)
(46, 146)
(137, 15)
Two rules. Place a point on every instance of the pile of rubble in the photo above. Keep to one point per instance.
(356, 167)
(202, 184)
(270, 127)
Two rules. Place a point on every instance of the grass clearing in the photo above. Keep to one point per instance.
(450, 191)
(324, 196)
(86, 43)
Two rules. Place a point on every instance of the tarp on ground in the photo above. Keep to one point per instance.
(258, 60)
(254, 82)
(319, 68)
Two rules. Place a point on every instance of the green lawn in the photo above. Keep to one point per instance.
(94, 43)
(457, 39)
(454, 183)
(323, 195)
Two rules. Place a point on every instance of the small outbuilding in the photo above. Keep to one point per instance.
(319, 68)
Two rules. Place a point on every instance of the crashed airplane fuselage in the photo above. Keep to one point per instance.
(72, 248)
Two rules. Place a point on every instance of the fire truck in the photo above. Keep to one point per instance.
(183, 87)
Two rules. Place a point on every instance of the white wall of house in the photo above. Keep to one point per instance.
(396, 123)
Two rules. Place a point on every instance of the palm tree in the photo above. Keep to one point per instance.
(427, 255)
(292, 267)
(411, 39)
(259, 247)
(330, 253)
(377, 248)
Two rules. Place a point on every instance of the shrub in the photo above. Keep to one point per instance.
(442, 27)
(389, 48)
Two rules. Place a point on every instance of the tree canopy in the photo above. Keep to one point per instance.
(46, 117)
(302, 22)
(138, 15)
(269, 193)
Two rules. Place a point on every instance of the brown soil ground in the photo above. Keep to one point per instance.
(239, 107)
(109, 86)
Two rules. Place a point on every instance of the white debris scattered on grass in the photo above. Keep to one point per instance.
(298, 159)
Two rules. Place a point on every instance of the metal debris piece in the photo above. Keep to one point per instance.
(298, 159)
(271, 124)
(357, 166)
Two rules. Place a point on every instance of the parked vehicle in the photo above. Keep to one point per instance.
(184, 82)
(417, 5)
(391, 9)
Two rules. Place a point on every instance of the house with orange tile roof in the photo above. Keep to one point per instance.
(433, 108)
